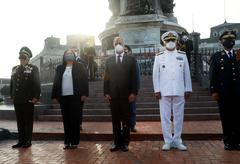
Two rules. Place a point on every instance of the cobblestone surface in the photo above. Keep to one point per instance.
(51, 152)
(106, 127)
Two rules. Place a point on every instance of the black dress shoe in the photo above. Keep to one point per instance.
(238, 147)
(228, 146)
(66, 147)
(18, 145)
(73, 146)
(124, 148)
(133, 129)
(26, 145)
(114, 147)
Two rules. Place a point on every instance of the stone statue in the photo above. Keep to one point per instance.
(167, 6)
(156, 5)
(162, 6)
(114, 6)
(140, 7)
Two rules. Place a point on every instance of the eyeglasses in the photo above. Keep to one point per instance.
(170, 40)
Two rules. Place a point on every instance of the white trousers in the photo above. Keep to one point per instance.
(169, 105)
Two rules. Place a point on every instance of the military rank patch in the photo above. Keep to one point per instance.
(179, 58)
(181, 52)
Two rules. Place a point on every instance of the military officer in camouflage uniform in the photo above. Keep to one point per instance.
(25, 92)
(172, 86)
(225, 88)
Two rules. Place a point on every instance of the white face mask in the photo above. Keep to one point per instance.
(171, 45)
(119, 49)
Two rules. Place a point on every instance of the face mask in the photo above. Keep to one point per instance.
(70, 57)
(184, 38)
(119, 49)
(229, 43)
(171, 45)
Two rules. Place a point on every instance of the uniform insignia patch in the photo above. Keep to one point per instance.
(181, 52)
(160, 53)
(179, 58)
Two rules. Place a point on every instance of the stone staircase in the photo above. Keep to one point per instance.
(199, 107)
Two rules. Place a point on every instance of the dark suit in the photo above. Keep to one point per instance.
(24, 86)
(225, 80)
(71, 106)
(120, 80)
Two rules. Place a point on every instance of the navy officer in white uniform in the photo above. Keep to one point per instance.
(172, 86)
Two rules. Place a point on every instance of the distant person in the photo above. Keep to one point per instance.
(186, 45)
(25, 92)
(120, 89)
(225, 88)
(172, 86)
(70, 89)
(128, 51)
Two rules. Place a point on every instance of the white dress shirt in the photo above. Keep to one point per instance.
(121, 57)
(67, 82)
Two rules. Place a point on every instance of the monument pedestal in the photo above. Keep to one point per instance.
(138, 31)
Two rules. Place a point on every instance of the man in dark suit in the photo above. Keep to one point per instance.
(120, 89)
(225, 88)
(25, 92)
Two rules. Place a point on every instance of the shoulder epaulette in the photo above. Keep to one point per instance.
(160, 53)
(181, 52)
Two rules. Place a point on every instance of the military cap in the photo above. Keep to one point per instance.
(25, 51)
(169, 35)
(228, 34)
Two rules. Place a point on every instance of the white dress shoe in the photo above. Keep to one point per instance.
(166, 147)
(180, 146)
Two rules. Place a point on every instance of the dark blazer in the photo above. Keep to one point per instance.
(80, 81)
(224, 74)
(120, 80)
(24, 84)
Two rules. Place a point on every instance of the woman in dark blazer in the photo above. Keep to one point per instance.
(70, 89)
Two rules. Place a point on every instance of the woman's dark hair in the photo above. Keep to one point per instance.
(128, 47)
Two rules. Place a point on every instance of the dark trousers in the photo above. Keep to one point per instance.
(133, 114)
(24, 115)
(81, 113)
(71, 108)
(229, 113)
(120, 110)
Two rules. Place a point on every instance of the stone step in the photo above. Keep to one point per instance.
(139, 111)
(148, 94)
(149, 99)
(104, 118)
(99, 89)
(153, 104)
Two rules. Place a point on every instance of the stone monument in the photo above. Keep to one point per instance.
(140, 23)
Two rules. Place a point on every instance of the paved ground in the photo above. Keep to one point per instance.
(102, 131)
(51, 152)
(106, 127)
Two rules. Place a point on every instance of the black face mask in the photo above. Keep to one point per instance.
(229, 43)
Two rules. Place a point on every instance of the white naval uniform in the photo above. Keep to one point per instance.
(171, 77)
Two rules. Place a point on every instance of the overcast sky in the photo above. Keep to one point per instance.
(29, 22)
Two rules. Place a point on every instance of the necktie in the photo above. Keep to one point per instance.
(119, 59)
(230, 55)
